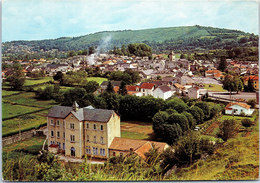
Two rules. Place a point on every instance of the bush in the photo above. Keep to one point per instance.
(246, 122)
(252, 103)
(227, 129)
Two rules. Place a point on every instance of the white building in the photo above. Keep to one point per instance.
(147, 89)
(163, 92)
(238, 108)
(194, 92)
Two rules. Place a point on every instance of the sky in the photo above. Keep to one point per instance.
(49, 19)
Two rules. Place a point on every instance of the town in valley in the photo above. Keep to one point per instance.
(153, 104)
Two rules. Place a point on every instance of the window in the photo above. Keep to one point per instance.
(58, 144)
(88, 150)
(102, 152)
(95, 139)
(121, 155)
(52, 122)
(52, 133)
(87, 125)
(63, 123)
(58, 122)
(72, 138)
(102, 140)
(87, 138)
(63, 146)
(101, 127)
(71, 125)
(94, 126)
(114, 153)
(95, 150)
(64, 135)
(58, 134)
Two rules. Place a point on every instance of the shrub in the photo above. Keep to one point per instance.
(246, 122)
(252, 103)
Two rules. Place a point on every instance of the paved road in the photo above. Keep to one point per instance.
(241, 95)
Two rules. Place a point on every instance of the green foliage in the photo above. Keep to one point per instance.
(252, 103)
(222, 64)
(227, 129)
(110, 88)
(190, 119)
(91, 86)
(205, 108)
(177, 104)
(180, 119)
(58, 76)
(122, 88)
(50, 92)
(197, 113)
(72, 95)
(246, 122)
(140, 49)
(17, 78)
(78, 78)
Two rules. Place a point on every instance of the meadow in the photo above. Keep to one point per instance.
(214, 87)
(32, 81)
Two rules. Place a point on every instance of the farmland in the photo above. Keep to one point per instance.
(136, 130)
(29, 82)
(99, 80)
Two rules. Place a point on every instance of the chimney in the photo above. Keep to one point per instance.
(75, 106)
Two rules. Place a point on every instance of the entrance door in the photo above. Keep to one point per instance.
(72, 151)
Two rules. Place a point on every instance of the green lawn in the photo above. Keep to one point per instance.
(9, 110)
(5, 92)
(32, 144)
(32, 81)
(214, 87)
(29, 99)
(99, 80)
(238, 118)
(26, 122)
(134, 135)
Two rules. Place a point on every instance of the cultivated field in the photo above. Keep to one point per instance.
(136, 130)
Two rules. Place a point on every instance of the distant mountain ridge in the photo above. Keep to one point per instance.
(153, 37)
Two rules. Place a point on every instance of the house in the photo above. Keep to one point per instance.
(123, 147)
(179, 88)
(238, 108)
(79, 132)
(147, 89)
(254, 79)
(82, 131)
(186, 80)
(214, 74)
(133, 90)
(194, 92)
(103, 85)
(163, 92)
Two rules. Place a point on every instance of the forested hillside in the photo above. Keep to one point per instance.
(160, 39)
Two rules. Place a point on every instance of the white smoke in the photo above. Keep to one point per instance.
(102, 46)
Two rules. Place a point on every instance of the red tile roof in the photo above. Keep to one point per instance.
(147, 86)
(131, 88)
(237, 103)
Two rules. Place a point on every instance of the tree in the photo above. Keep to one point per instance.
(179, 119)
(222, 64)
(171, 133)
(91, 50)
(250, 85)
(246, 122)
(110, 88)
(72, 95)
(17, 78)
(140, 49)
(58, 76)
(91, 86)
(159, 120)
(205, 108)
(122, 88)
(177, 104)
(190, 119)
(232, 83)
(197, 113)
(227, 129)
(252, 103)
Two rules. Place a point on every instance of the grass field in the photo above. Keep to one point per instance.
(32, 144)
(237, 159)
(99, 80)
(29, 82)
(9, 110)
(214, 87)
(238, 118)
(6, 93)
(136, 130)
(27, 122)
(29, 99)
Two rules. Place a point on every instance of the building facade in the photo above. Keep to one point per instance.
(77, 132)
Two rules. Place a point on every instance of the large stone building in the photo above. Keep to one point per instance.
(78, 131)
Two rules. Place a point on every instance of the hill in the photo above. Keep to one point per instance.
(176, 38)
